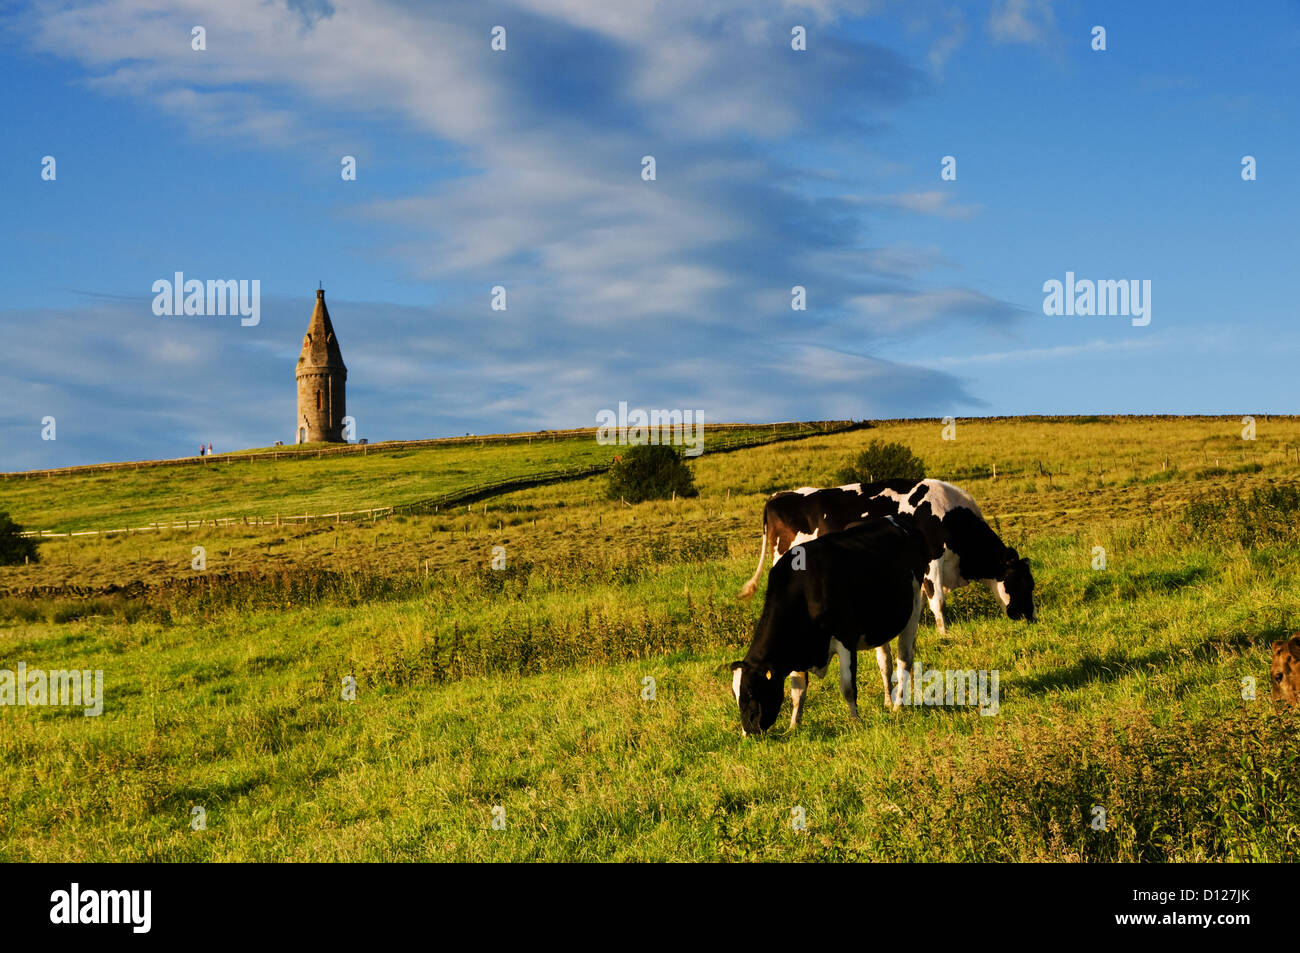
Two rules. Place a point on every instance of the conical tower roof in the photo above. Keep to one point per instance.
(320, 348)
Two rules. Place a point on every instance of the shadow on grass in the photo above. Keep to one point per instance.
(1115, 665)
(219, 791)
(1130, 585)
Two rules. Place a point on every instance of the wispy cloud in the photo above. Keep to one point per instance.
(930, 202)
(889, 312)
(1042, 353)
(676, 289)
(1021, 21)
(948, 43)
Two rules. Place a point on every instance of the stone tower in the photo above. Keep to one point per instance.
(321, 379)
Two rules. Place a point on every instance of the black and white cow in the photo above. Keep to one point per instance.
(847, 591)
(963, 547)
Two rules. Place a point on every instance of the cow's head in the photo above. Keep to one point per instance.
(1285, 673)
(1016, 586)
(759, 692)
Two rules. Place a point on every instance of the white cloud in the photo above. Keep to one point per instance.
(1041, 353)
(931, 202)
(890, 312)
(546, 198)
(1021, 21)
(947, 44)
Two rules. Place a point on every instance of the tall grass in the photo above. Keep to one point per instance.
(1265, 514)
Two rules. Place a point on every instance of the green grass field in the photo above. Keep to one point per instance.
(518, 693)
(290, 486)
(241, 486)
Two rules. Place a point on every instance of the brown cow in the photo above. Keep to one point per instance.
(1285, 673)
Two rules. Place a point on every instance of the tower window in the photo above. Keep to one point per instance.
(318, 399)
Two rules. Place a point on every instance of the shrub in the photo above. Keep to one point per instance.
(14, 548)
(650, 472)
(882, 461)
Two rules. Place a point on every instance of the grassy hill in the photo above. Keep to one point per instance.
(245, 485)
(522, 689)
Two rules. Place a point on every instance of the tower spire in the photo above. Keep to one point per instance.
(322, 378)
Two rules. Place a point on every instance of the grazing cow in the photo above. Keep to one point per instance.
(1285, 673)
(857, 589)
(963, 547)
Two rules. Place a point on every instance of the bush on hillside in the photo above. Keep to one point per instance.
(15, 549)
(881, 461)
(650, 472)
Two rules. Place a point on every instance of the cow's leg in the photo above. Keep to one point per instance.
(848, 676)
(933, 588)
(885, 663)
(907, 652)
(999, 590)
(798, 688)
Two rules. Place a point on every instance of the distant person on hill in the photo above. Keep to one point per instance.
(209, 449)
(201, 450)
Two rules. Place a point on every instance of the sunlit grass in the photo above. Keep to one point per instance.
(522, 689)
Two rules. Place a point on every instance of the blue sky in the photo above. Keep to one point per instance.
(522, 168)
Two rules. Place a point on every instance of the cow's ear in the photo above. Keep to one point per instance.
(1012, 555)
(1294, 646)
(736, 665)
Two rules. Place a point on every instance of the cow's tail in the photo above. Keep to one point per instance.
(748, 589)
